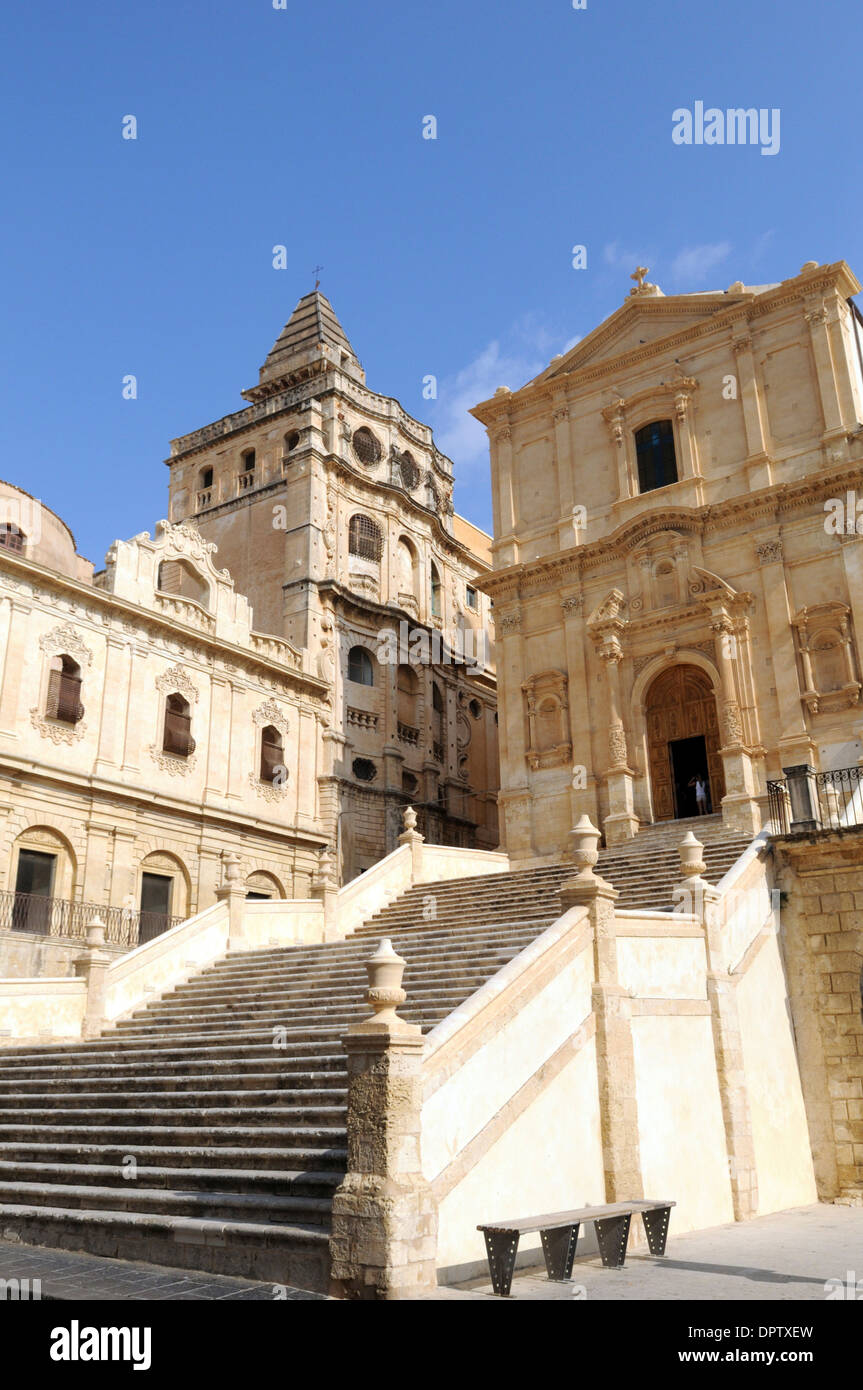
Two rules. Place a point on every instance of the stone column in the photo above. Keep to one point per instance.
(566, 534)
(615, 1057)
(582, 800)
(92, 966)
(621, 823)
(14, 660)
(503, 495)
(384, 1226)
(114, 705)
(816, 317)
(696, 895)
(515, 832)
(795, 745)
(758, 469)
(740, 809)
(233, 892)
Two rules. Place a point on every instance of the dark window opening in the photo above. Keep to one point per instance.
(11, 537)
(364, 538)
(360, 668)
(272, 755)
(64, 691)
(364, 770)
(654, 450)
(178, 727)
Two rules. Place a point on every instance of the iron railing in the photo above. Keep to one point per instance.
(808, 800)
(43, 916)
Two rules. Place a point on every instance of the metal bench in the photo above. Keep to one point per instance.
(559, 1234)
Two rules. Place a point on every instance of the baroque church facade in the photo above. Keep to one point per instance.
(674, 597)
(332, 509)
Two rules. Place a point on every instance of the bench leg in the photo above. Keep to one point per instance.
(501, 1248)
(612, 1235)
(656, 1226)
(558, 1247)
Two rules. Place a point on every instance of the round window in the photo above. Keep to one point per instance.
(366, 447)
(364, 770)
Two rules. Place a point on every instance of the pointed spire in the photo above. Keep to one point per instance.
(313, 331)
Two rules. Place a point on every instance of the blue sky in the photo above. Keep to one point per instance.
(452, 257)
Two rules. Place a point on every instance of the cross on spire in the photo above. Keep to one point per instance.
(315, 272)
(639, 274)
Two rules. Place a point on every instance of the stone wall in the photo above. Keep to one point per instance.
(822, 878)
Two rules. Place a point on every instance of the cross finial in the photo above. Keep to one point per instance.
(639, 274)
(316, 272)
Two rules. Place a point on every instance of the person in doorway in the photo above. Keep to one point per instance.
(699, 782)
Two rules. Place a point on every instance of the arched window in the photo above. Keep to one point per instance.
(406, 564)
(407, 696)
(272, 755)
(437, 722)
(360, 668)
(292, 439)
(177, 737)
(409, 471)
(654, 451)
(247, 461)
(11, 537)
(364, 537)
(64, 691)
(436, 590)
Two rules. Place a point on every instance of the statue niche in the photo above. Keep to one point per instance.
(547, 713)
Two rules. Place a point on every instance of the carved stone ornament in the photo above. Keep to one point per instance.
(57, 730)
(269, 713)
(617, 746)
(176, 679)
(172, 763)
(769, 552)
(64, 639)
(270, 791)
(509, 623)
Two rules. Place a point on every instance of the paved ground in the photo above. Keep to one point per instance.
(67, 1276)
(789, 1255)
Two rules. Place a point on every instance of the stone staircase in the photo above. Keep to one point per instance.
(208, 1130)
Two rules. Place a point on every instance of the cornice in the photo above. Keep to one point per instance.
(782, 499)
(99, 604)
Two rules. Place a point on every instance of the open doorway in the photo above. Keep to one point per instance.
(34, 889)
(688, 760)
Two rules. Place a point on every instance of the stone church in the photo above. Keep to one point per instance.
(332, 509)
(675, 598)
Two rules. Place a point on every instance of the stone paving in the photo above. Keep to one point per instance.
(65, 1275)
(788, 1255)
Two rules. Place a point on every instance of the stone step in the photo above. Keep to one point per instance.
(178, 1155)
(299, 1182)
(215, 1205)
(75, 1118)
(98, 1091)
(287, 1254)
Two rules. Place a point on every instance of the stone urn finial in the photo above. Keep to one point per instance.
(584, 841)
(325, 865)
(410, 818)
(691, 857)
(95, 933)
(385, 970)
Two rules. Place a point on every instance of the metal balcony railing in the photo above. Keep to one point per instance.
(808, 800)
(59, 917)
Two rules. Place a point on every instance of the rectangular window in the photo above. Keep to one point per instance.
(470, 597)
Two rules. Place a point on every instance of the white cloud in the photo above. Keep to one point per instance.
(511, 360)
(695, 262)
(614, 254)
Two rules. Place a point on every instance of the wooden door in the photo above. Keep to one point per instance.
(680, 704)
